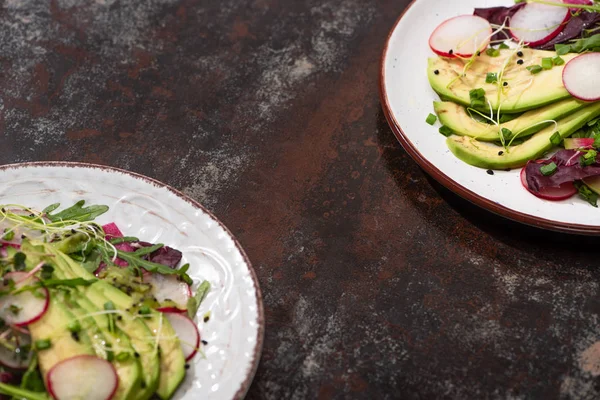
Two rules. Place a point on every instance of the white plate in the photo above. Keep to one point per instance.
(154, 212)
(407, 100)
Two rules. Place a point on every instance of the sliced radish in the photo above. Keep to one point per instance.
(187, 332)
(171, 310)
(461, 36)
(168, 287)
(26, 307)
(20, 357)
(578, 143)
(564, 191)
(581, 77)
(537, 24)
(82, 377)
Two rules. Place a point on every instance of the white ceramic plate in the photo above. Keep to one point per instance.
(154, 212)
(407, 100)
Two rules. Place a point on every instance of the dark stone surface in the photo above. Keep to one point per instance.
(377, 282)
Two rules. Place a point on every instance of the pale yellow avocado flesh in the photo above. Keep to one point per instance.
(489, 155)
(457, 118)
(525, 91)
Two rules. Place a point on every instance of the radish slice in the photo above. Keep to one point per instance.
(187, 332)
(581, 77)
(171, 310)
(26, 307)
(578, 143)
(564, 191)
(20, 357)
(82, 377)
(461, 36)
(537, 24)
(168, 287)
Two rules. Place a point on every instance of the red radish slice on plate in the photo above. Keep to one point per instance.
(26, 307)
(187, 332)
(563, 192)
(82, 377)
(537, 24)
(168, 287)
(20, 357)
(581, 77)
(578, 143)
(461, 36)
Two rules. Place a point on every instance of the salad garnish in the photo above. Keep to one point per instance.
(86, 312)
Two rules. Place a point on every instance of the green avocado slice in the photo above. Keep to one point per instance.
(524, 91)
(457, 118)
(488, 155)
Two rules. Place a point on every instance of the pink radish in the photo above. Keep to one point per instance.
(461, 36)
(564, 191)
(537, 24)
(171, 310)
(168, 287)
(26, 307)
(16, 359)
(578, 143)
(82, 377)
(581, 77)
(187, 332)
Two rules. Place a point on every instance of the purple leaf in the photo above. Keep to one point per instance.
(568, 170)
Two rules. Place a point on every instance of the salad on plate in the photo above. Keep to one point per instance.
(88, 313)
(519, 87)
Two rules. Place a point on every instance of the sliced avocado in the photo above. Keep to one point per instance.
(593, 183)
(53, 325)
(457, 118)
(488, 155)
(128, 370)
(171, 360)
(524, 91)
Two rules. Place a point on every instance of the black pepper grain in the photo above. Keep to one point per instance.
(75, 336)
(437, 72)
(136, 354)
(520, 53)
(500, 152)
(490, 172)
(520, 62)
(206, 318)
(505, 84)
(204, 342)
(187, 366)
(451, 52)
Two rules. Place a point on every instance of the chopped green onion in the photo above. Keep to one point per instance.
(547, 63)
(491, 77)
(549, 169)
(47, 271)
(555, 139)
(144, 310)
(8, 234)
(588, 158)
(431, 119)
(534, 69)
(558, 60)
(492, 52)
(74, 326)
(42, 344)
(503, 46)
(123, 356)
(476, 94)
(562, 49)
(444, 130)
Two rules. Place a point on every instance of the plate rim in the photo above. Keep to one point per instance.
(245, 386)
(448, 182)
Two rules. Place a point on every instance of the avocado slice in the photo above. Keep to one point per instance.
(524, 90)
(488, 155)
(53, 325)
(171, 361)
(457, 118)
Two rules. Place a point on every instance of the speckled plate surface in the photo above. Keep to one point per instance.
(154, 212)
(407, 99)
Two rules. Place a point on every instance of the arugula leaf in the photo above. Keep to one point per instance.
(124, 239)
(147, 250)
(51, 283)
(91, 262)
(50, 208)
(77, 213)
(586, 193)
(194, 302)
(591, 43)
(32, 379)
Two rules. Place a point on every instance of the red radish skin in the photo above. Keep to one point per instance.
(187, 332)
(563, 192)
(578, 143)
(537, 24)
(82, 377)
(171, 310)
(32, 307)
(461, 36)
(581, 77)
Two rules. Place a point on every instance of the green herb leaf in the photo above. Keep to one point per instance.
(506, 133)
(444, 130)
(194, 302)
(43, 344)
(534, 69)
(547, 63)
(558, 60)
(591, 43)
(562, 49)
(491, 77)
(148, 250)
(32, 379)
(586, 193)
(50, 208)
(51, 283)
(78, 213)
(124, 239)
(47, 271)
(9, 234)
(431, 118)
(492, 52)
(503, 46)
(548, 169)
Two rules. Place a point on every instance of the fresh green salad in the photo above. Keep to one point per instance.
(88, 313)
(519, 83)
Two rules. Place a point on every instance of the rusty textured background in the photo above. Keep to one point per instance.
(377, 282)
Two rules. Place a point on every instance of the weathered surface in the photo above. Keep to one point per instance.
(377, 282)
